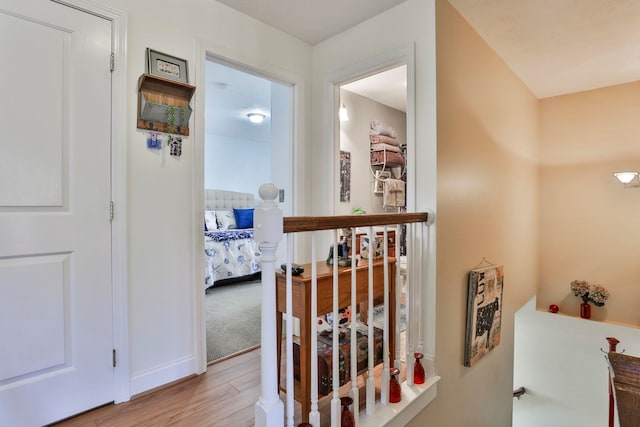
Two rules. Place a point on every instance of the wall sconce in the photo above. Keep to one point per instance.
(256, 118)
(629, 179)
(343, 114)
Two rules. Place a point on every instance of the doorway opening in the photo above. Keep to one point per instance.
(375, 154)
(248, 141)
(373, 135)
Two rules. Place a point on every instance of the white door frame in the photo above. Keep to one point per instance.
(209, 50)
(122, 391)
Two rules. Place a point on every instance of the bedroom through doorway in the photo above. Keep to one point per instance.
(248, 142)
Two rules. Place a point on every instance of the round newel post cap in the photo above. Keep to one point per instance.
(268, 192)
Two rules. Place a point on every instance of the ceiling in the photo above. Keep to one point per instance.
(312, 21)
(561, 46)
(388, 88)
(232, 94)
(554, 46)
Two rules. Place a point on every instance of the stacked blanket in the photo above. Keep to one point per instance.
(385, 146)
(386, 150)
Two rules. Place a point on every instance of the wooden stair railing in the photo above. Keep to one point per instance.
(270, 228)
(625, 375)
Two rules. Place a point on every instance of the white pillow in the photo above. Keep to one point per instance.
(226, 220)
(210, 220)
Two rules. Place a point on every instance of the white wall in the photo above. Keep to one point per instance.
(282, 110)
(559, 362)
(236, 164)
(408, 27)
(354, 138)
(161, 231)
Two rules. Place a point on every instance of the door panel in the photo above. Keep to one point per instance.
(56, 321)
(35, 179)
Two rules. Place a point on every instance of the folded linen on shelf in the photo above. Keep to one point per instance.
(382, 147)
(384, 139)
(388, 158)
(394, 193)
(381, 128)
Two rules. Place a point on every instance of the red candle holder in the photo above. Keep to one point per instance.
(395, 393)
(585, 310)
(347, 419)
(418, 369)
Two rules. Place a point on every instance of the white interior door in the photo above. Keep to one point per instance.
(55, 253)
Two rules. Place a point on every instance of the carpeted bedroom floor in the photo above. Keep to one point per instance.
(233, 318)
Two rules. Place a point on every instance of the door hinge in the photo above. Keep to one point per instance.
(111, 209)
(113, 61)
(114, 357)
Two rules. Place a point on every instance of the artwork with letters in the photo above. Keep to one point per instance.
(484, 312)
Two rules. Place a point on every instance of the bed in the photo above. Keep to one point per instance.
(230, 251)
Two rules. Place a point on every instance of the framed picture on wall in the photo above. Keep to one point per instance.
(484, 312)
(345, 176)
(167, 66)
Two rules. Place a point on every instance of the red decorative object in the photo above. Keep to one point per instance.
(553, 308)
(418, 369)
(347, 419)
(585, 310)
(395, 393)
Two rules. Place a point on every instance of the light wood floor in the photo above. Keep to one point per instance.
(223, 396)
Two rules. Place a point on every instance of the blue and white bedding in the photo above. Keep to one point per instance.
(230, 254)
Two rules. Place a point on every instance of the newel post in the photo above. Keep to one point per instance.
(267, 223)
(613, 344)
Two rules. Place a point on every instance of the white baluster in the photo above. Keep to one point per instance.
(371, 381)
(355, 393)
(411, 285)
(397, 362)
(418, 292)
(314, 414)
(335, 401)
(269, 410)
(289, 336)
(384, 387)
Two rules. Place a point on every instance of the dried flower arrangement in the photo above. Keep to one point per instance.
(589, 293)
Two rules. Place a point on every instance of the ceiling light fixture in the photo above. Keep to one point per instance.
(629, 179)
(343, 114)
(256, 117)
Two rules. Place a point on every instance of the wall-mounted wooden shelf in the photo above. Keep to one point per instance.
(156, 96)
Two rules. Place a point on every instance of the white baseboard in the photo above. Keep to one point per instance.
(164, 374)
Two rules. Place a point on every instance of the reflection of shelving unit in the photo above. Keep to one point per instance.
(157, 97)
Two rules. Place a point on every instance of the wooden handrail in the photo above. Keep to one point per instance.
(296, 224)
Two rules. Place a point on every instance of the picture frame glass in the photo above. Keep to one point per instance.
(167, 66)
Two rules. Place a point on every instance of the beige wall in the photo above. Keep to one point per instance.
(487, 207)
(590, 223)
